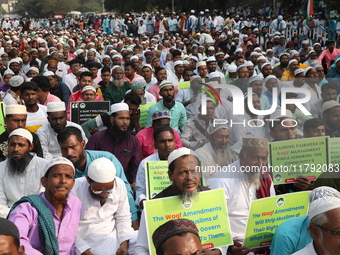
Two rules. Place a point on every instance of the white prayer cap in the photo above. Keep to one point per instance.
(179, 153)
(307, 69)
(16, 81)
(238, 50)
(56, 107)
(277, 114)
(60, 161)
(270, 77)
(201, 63)
(298, 71)
(219, 53)
(117, 56)
(240, 67)
(178, 62)
(265, 64)
(102, 170)
(211, 48)
(254, 142)
(236, 31)
(292, 61)
(33, 69)
(194, 58)
(105, 56)
(186, 62)
(323, 205)
(211, 75)
(78, 52)
(215, 127)
(269, 50)
(255, 78)
(280, 17)
(232, 68)
(323, 191)
(48, 73)
(329, 104)
(119, 107)
(22, 132)
(165, 83)
(305, 42)
(261, 58)
(86, 88)
(249, 63)
(255, 53)
(134, 57)
(257, 48)
(211, 59)
(113, 51)
(9, 71)
(293, 52)
(14, 60)
(15, 109)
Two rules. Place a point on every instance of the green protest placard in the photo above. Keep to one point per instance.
(207, 210)
(289, 159)
(156, 176)
(183, 85)
(334, 150)
(2, 118)
(144, 113)
(267, 214)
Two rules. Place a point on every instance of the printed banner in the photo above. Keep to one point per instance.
(183, 85)
(156, 176)
(84, 111)
(334, 150)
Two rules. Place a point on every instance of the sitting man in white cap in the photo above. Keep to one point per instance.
(105, 223)
(19, 174)
(201, 69)
(242, 81)
(324, 215)
(288, 75)
(240, 188)
(12, 95)
(330, 115)
(231, 74)
(177, 76)
(15, 117)
(177, 111)
(56, 112)
(48, 222)
(185, 185)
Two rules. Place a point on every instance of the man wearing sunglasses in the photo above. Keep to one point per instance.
(105, 224)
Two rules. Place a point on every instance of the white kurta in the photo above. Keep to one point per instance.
(103, 228)
(239, 195)
(140, 178)
(70, 80)
(12, 188)
(49, 142)
(308, 250)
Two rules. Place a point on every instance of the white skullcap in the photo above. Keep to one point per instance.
(105, 56)
(116, 67)
(179, 153)
(323, 191)
(298, 71)
(232, 68)
(219, 53)
(277, 114)
(270, 77)
(215, 127)
(9, 71)
(60, 161)
(194, 58)
(16, 81)
(201, 63)
(323, 205)
(255, 53)
(211, 48)
(48, 73)
(186, 62)
(33, 69)
(293, 52)
(255, 78)
(239, 67)
(134, 57)
(280, 17)
(165, 83)
(292, 61)
(78, 52)
(248, 63)
(211, 59)
(261, 58)
(257, 48)
(329, 104)
(211, 75)
(117, 56)
(238, 50)
(265, 64)
(22, 132)
(307, 69)
(119, 107)
(56, 107)
(147, 65)
(102, 170)
(305, 42)
(88, 88)
(178, 62)
(269, 50)
(15, 109)
(14, 60)
(83, 69)
(236, 31)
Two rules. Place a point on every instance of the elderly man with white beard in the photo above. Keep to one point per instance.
(116, 91)
(244, 181)
(216, 153)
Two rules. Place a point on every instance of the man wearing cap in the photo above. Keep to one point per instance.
(288, 75)
(5, 85)
(115, 92)
(279, 69)
(266, 69)
(10, 238)
(177, 76)
(216, 152)
(71, 79)
(103, 194)
(148, 76)
(94, 67)
(201, 69)
(176, 109)
(14, 65)
(231, 75)
(281, 47)
(242, 81)
(331, 117)
(221, 64)
(119, 141)
(242, 187)
(48, 222)
(21, 172)
(177, 237)
(12, 95)
(56, 112)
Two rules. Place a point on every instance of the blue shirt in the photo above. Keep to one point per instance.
(92, 155)
(291, 236)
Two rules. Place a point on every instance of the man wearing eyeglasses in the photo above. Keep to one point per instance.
(105, 223)
(71, 79)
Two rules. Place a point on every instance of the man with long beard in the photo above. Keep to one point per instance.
(278, 70)
(185, 178)
(119, 141)
(117, 89)
(19, 174)
(216, 153)
(246, 181)
(48, 222)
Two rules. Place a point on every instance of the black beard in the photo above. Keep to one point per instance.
(284, 64)
(119, 134)
(17, 166)
(96, 197)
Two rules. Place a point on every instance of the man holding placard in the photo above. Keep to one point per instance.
(245, 181)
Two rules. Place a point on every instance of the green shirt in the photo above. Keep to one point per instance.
(114, 95)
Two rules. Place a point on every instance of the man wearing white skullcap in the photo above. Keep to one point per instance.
(186, 186)
(176, 76)
(56, 112)
(240, 188)
(202, 69)
(288, 75)
(278, 24)
(12, 95)
(242, 81)
(324, 215)
(102, 189)
(20, 174)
